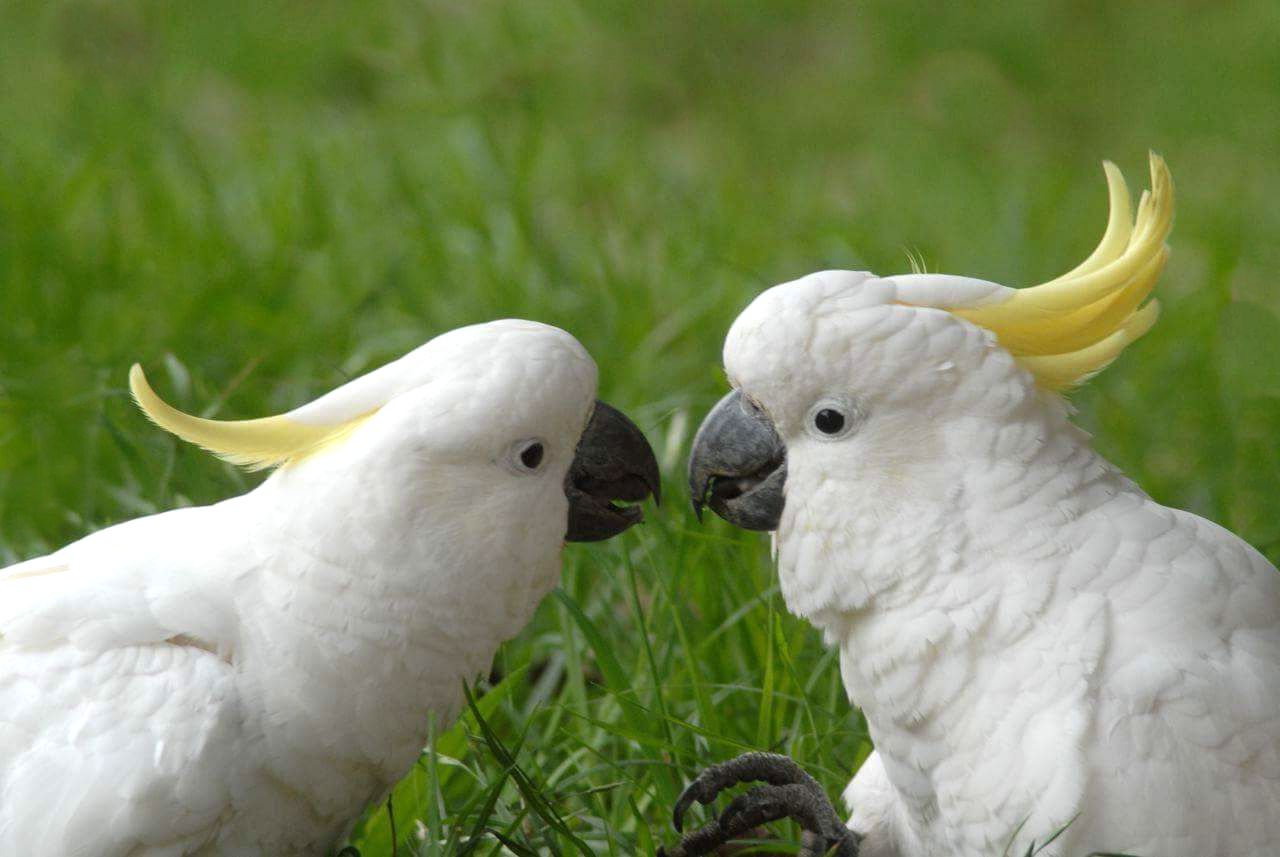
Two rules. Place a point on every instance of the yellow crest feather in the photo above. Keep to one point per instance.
(255, 444)
(1068, 329)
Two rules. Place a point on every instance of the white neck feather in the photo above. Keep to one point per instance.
(365, 612)
(931, 595)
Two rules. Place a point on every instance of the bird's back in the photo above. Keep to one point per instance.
(113, 721)
(184, 684)
(1185, 755)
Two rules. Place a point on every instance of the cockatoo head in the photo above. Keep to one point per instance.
(493, 427)
(846, 378)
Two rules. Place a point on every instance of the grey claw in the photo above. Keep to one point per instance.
(695, 791)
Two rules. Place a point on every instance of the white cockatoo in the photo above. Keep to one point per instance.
(243, 679)
(1035, 642)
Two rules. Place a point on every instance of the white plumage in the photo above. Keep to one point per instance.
(1034, 641)
(244, 678)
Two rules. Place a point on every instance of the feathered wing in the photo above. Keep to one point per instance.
(115, 721)
(1187, 752)
(1180, 751)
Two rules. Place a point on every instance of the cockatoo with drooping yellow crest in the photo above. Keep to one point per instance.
(244, 678)
(1035, 642)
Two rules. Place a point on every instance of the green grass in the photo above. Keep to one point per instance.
(259, 200)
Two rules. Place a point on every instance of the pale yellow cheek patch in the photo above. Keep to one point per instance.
(1068, 329)
(256, 444)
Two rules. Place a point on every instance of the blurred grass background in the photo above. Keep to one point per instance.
(258, 200)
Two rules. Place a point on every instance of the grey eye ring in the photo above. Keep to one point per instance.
(526, 455)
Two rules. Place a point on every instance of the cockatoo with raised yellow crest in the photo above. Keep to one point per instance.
(1036, 644)
(245, 678)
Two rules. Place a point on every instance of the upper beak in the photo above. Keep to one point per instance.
(613, 462)
(738, 465)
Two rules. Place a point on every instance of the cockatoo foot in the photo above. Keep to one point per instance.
(790, 793)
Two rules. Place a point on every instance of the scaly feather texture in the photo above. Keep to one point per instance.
(1033, 640)
(244, 678)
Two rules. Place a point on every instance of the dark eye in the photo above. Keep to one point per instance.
(531, 457)
(828, 421)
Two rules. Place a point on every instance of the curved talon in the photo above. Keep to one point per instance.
(683, 803)
(695, 791)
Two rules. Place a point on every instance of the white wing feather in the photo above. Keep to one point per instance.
(1186, 751)
(115, 716)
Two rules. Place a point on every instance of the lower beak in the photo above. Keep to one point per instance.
(613, 462)
(738, 465)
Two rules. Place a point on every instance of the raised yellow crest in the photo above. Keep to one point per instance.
(1068, 329)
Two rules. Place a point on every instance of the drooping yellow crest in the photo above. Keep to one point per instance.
(1070, 328)
(255, 444)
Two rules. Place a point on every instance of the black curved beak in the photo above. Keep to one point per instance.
(738, 465)
(613, 462)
